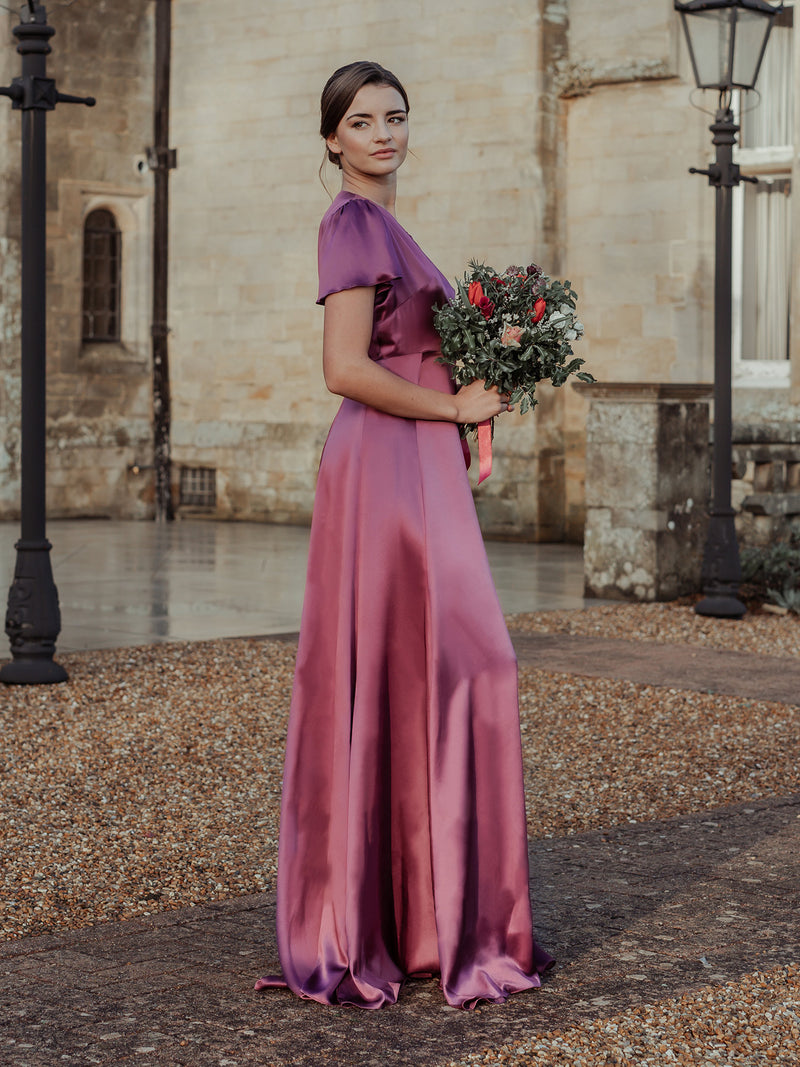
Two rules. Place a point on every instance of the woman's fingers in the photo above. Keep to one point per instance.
(476, 403)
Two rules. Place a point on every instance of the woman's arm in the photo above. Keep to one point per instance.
(350, 372)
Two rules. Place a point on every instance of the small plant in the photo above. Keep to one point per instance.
(775, 567)
(788, 599)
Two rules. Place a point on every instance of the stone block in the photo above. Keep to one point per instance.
(647, 483)
(615, 422)
(620, 471)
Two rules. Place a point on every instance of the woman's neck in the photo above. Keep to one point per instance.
(383, 193)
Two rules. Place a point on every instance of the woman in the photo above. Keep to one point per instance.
(403, 848)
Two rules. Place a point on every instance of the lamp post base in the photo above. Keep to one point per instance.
(722, 571)
(33, 670)
(720, 606)
(33, 619)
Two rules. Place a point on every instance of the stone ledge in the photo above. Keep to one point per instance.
(677, 392)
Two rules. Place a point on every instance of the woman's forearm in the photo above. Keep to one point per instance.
(350, 372)
(369, 383)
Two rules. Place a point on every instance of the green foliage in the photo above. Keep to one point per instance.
(789, 598)
(772, 573)
(773, 567)
(472, 343)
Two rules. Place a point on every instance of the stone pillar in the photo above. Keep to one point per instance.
(647, 489)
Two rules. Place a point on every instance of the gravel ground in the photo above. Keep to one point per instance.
(760, 632)
(633, 753)
(755, 1020)
(152, 779)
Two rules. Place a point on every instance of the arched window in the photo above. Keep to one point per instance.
(102, 263)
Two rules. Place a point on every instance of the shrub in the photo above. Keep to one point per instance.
(773, 573)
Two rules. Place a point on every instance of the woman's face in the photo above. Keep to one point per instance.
(372, 138)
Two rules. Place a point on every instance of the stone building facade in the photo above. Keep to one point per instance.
(98, 394)
(558, 131)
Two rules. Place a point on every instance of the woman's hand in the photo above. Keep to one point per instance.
(476, 403)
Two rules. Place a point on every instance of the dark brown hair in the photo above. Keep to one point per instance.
(341, 88)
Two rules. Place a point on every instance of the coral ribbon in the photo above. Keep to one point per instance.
(484, 449)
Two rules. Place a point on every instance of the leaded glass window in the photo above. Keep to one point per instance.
(102, 261)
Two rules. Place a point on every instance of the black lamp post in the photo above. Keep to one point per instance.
(33, 619)
(727, 40)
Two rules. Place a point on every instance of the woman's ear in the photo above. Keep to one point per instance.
(333, 144)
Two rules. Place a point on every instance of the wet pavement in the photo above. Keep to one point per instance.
(135, 583)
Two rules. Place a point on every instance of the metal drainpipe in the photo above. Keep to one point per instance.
(162, 159)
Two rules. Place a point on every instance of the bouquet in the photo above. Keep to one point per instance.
(512, 329)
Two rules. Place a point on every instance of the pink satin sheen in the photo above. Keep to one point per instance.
(403, 846)
(484, 450)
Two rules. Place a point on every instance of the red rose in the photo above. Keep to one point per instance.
(475, 293)
(477, 298)
(539, 309)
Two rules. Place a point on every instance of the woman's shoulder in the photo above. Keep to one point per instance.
(357, 246)
(356, 221)
(350, 208)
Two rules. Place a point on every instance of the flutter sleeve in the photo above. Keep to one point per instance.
(356, 248)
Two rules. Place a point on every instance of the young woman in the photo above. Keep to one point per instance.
(403, 847)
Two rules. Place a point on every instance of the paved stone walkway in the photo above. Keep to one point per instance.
(633, 913)
(706, 670)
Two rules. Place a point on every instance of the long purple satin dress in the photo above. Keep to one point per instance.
(403, 845)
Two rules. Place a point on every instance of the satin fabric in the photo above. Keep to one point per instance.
(403, 846)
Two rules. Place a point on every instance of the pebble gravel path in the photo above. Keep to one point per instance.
(751, 1021)
(150, 782)
(759, 632)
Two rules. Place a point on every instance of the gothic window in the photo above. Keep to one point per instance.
(762, 219)
(102, 262)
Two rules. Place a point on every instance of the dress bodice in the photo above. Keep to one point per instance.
(361, 243)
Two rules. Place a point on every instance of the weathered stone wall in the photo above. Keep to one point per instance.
(525, 497)
(563, 136)
(98, 395)
(647, 490)
(248, 393)
(766, 481)
(639, 241)
(9, 278)
(640, 238)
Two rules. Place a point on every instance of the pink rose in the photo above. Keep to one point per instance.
(511, 336)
